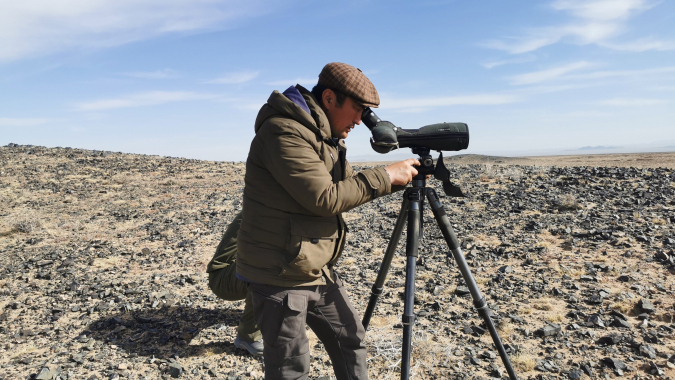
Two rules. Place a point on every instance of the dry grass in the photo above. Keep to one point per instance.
(24, 221)
(659, 221)
(23, 350)
(348, 261)
(624, 306)
(523, 362)
(569, 202)
(106, 262)
(545, 303)
(505, 329)
(554, 317)
(488, 240)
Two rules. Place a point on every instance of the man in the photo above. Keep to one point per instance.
(225, 284)
(297, 184)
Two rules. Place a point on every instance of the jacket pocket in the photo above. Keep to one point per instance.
(316, 242)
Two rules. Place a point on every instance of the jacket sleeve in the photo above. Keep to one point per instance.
(295, 165)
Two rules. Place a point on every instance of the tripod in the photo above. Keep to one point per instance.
(412, 209)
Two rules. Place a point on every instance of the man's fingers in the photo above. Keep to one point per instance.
(402, 172)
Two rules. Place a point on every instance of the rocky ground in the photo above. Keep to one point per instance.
(102, 259)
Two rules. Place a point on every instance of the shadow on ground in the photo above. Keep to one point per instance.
(166, 332)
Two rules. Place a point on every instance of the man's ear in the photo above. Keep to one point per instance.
(328, 98)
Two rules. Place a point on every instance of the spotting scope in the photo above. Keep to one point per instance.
(442, 136)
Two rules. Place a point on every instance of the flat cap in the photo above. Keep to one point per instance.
(351, 81)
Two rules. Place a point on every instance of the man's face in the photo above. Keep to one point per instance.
(343, 118)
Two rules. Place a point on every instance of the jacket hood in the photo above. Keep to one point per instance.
(278, 105)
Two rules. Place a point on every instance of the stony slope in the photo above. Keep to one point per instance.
(102, 259)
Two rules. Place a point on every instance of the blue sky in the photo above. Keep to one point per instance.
(186, 78)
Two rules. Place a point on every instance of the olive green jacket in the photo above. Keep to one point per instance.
(226, 251)
(292, 230)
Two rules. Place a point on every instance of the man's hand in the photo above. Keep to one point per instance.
(402, 172)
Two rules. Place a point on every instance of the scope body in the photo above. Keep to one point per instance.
(440, 136)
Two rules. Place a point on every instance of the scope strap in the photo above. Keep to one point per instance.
(442, 174)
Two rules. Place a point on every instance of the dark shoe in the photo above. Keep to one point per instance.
(255, 348)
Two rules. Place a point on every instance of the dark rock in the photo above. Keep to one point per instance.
(595, 320)
(506, 269)
(462, 290)
(587, 369)
(610, 339)
(655, 370)
(647, 306)
(575, 374)
(548, 330)
(647, 351)
(661, 256)
(618, 314)
(614, 363)
(78, 358)
(46, 373)
(496, 371)
(175, 370)
(477, 330)
(619, 322)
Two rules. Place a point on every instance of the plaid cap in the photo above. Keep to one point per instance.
(351, 81)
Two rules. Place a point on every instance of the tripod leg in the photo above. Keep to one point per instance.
(478, 300)
(378, 286)
(411, 251)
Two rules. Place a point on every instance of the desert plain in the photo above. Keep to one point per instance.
(103, 257)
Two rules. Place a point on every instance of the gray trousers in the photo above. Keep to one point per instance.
(281, 314)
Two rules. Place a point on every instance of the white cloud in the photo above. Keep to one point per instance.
(236, 78)
(143, 99)
(159, 74)
(419, 104)
(519, 45)
(640, 45)
(597, 22)
(635, 102)
(491, 64)
(38, 27)
(657, 71)
(548, 74)
(22, 122)
(601, 10)
(293, 82)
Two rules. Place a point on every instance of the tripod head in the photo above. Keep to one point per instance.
(440, 171)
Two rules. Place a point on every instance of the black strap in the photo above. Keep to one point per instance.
(442, 174)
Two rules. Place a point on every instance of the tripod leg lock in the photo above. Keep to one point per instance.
(480, 303)
(408, 319)
(376, 291)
